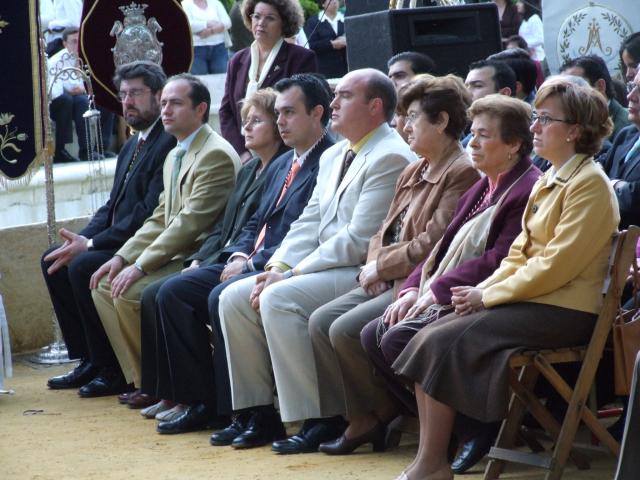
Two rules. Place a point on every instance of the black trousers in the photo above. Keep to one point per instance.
(177, 361)
(64, 110)
(77, 316)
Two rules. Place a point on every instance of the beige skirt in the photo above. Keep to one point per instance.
(463, 361)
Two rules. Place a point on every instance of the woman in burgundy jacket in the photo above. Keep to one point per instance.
(268, 59)
(485, 223)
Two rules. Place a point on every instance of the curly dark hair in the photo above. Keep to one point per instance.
(290, 12)
(582, 106)
(440, 94)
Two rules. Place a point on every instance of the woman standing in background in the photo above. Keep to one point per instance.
(325, 34)
(209, 23)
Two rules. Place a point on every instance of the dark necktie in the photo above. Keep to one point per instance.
(134, 158)
(346, 163)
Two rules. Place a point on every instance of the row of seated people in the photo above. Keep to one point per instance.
(326, 239)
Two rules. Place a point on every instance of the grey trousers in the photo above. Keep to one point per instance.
(629, 463)
(277, 339)
(344, 370)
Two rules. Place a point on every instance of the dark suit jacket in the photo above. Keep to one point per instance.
(242, 204)
(132, 202)
(544, 164)
(279, 218)
(505, 227)
(628, 173)
(619, 116)
(290, 59)
(332, 63)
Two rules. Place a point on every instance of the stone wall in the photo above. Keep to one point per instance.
(25, 295)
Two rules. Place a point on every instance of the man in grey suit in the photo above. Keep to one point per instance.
(264, 319)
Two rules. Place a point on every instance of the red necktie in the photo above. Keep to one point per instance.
(293, 171)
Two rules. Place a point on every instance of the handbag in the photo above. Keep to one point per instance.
(626, 343)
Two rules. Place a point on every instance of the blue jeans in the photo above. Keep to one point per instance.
(210, 59)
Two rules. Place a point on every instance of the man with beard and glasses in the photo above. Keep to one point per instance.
(136, 188)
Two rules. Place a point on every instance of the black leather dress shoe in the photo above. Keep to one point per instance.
(224, 437)
(475, 448)
(77, 377)
(264, 426)
(110, 381)
(196, 417)
(313, 433)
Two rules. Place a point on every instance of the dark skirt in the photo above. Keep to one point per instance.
(463, 361)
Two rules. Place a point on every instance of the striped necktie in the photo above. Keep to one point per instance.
(293, 171)
(134, 158)
(346, 163)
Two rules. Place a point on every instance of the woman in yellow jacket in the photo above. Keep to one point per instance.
(545, 294)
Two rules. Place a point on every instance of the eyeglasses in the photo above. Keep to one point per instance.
(135, 93)
(545, 120)
(256, 17)
(631, 86)
(411, 118)
(252, 122)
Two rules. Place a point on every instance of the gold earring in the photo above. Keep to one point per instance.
(509, 156)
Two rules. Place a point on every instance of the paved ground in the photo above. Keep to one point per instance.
(74, 438)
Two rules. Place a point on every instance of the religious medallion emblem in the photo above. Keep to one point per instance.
(593, 30)
(3, 24)
(137, 39)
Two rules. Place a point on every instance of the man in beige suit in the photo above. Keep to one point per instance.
(198, 176)
(318, 261)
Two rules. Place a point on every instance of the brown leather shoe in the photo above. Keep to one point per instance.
(142, 400)
(124, 398)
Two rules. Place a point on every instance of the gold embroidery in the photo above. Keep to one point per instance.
(3, 24)
(7, 138)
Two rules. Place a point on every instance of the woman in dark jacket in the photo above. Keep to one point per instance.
(325, 33)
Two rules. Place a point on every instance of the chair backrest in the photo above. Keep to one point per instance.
(623, 252)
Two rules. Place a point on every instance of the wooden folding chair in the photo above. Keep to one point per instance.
(527, 366)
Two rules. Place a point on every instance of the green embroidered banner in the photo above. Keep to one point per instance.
(21, 100)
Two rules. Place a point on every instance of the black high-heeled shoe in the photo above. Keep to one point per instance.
(344, 445)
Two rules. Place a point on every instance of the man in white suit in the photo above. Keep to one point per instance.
(265, 318)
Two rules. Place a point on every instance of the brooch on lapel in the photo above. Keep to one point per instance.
(276, 68)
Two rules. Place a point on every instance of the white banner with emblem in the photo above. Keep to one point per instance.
(573, 28)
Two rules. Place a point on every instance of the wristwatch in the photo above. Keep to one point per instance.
(288, 274)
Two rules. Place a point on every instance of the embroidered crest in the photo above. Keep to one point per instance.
(593, 30)
(137, 39)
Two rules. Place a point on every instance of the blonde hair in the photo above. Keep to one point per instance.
(265, 100)
(582, 106)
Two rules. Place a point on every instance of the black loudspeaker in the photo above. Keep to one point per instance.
(359, 7)
(452, 36)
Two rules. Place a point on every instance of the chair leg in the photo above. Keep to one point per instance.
(588, 417)
(511, 425)
(546, 420)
